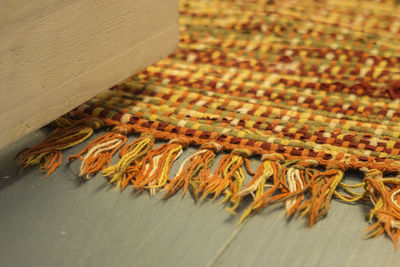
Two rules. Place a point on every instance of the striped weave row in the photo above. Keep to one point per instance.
(301, 78)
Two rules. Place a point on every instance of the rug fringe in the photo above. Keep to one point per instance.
(297, 183)
(68, 134)
(294, 182)
(194, 171)
(268, 170)
(131, 159)
(322, 187)
(228, 178)
(157, 164)
(384, 194)
(99, 152)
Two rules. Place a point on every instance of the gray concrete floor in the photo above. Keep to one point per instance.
(61, 221)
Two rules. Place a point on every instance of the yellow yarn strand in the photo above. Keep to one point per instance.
(352, 196)
(87, 131)
(318, 205)
(62, 122)
(267, 173)
(117, 171)
(35, 159)
(163, 175)
(238, 180)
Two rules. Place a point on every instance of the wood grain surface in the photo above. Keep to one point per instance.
(58, 54)
(60, 221)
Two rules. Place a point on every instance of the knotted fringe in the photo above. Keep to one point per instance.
(294, 181)
(303, 189)
(268, 171)
(99, 152)
(157, 164)
(194, 171)
(322, 188)
(48, 153)
(384, 194)
(228, 178)
(131, 160)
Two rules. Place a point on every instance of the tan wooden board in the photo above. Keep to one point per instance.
(58, 54)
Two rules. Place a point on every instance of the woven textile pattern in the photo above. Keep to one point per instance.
(303, 78)
(312, 88)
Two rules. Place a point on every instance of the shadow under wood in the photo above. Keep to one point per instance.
(10, 170)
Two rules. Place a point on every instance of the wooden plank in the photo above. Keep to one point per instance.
(58, 54)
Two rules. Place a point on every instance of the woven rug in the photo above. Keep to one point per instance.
(310, 88)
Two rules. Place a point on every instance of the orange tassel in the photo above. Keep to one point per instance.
(228, 178)
(195, 172)
(384, 194)
(130, 163)
(48, 153)
(51, 162)
(131, 173)
(323, 186)
(99, 152)
(268, 170)
(157, 164)
(294, 181)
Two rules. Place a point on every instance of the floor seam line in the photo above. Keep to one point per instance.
(225, 246)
